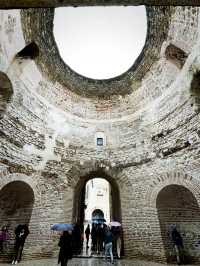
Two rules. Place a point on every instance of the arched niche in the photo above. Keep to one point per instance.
(6, 92)
(176, 205)
(30, 51)
(16, 204)
(176, 55)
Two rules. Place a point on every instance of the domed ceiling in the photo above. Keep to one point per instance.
(100, 42)
(38, 27)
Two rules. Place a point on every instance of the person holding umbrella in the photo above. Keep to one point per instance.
(66, 250)
(65, 243)
(117, 231)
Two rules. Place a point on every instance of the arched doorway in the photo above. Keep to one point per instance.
(97, 214)
(176, 205)
(16, 204)
(79, 197)
(97, 200)
(81, 202)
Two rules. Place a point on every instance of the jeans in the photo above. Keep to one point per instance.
(108, 250)
(18, 251)
(64, 261)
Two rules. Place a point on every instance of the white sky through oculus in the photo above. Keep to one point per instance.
(100, 42)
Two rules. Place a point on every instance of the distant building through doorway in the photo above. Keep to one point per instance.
(97, 197)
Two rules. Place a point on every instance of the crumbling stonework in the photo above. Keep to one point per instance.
(48, 129)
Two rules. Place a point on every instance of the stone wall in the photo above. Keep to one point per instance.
(47, 135)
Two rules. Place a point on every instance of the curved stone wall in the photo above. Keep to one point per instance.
(48, 131)
(50, 62)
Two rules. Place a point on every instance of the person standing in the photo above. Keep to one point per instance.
(4, 236)
(178, 245)
(116, 230)
(21, 233)
(76, 236)
(87, 235)
(108, 244)
(94, 237)
(66, 248)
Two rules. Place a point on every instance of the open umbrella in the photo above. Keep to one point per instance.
(98, 221)
(62, 227)
(115, 224)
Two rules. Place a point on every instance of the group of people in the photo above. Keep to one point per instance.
(103, 238)
(98, 233)
(21, 233)
(108, 240)
(67, 242)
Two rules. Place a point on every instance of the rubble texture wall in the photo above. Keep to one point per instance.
(151, 125)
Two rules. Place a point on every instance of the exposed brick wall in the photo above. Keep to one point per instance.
(47, 136)
(177, 205)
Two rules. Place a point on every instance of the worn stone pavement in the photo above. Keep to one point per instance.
(87, 262)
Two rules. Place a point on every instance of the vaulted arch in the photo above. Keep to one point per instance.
(176, 205)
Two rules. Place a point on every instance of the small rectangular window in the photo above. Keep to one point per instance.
(99, 141)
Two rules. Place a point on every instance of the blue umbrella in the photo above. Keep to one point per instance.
(62, 227)
(98, 221)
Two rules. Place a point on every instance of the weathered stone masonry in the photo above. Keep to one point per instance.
(149, 116)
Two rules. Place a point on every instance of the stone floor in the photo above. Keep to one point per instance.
(87, 262)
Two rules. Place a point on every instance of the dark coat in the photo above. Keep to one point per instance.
(65, 244)
(176, 238)
(20, 238)
(87, 232)
(108, 238)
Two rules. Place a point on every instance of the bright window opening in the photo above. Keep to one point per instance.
(100, 42)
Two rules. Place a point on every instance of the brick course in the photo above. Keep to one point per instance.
(47, 133)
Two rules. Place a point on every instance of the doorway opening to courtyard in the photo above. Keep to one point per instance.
(96, 204)
(178, 208)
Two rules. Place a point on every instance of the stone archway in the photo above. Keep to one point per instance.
(177, 205)
(16, 203)
(98, 213)
(79, 196)
(79, 200)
